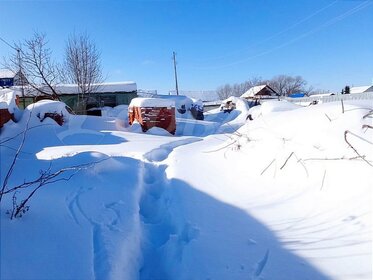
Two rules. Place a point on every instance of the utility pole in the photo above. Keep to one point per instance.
(18, 50)
(21, 77)
(177, 87)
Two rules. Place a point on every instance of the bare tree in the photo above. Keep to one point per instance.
(34, 62)
(285, 85)
(83, 63)
(224, 91)
(239, 88)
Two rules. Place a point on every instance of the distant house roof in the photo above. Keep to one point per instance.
(6, 74)
(361, 89)
(101, 88)
(203, 95)
(258, 90)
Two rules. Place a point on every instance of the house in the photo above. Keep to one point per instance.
(362, 89)
(8, 105)
(8, 78)
(259, 92)
(105, 94)
(153, 112)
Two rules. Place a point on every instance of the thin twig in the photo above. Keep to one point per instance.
(340, 158)
(286, 160)
(369, 114)
(367, 126)
(349, 144)
(323, 180)
(302, 163)
(328, 117)
(265, 169)
(14, 160)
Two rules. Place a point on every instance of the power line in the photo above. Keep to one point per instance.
(8, 44)
(283, 31)
(330, 22)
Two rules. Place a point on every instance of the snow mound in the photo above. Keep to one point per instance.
(151, 102)
(158, 131)
(272, 106)
(8, 100)
(40, 110)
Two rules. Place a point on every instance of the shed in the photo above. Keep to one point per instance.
(151, 112)
(258, 92)
(8, 105)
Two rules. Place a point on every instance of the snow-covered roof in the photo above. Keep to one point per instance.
(361, 89)
(74, 89)
(255, 90)
(6, 73)
(204, 95)
(8, 100)
(99, 88)
(151, 102)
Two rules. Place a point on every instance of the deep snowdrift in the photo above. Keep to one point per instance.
(283, 197)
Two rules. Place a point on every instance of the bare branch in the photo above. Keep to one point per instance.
(265, 169)
(286, 160)
(349, 144)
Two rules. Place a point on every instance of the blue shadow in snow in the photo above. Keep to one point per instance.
(191, 235)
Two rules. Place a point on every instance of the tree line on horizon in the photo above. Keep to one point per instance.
(283, 85)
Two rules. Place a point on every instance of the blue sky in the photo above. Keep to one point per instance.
(328, 42)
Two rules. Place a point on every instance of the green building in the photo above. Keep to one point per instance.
(104, 94)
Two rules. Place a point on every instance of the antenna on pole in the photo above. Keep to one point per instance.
(21, 76)
(177, 87)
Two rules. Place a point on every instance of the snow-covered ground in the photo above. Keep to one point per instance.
(284, 196)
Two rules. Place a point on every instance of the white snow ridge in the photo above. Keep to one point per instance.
(277, 191)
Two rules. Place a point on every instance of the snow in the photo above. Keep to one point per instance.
(101, 87)
(282, 196)
(8, 100)
(151, 102)
(204, 95)
(271, 106)
(116, 87)
(179, 100)
(36, 112)
(361, 89)
(6, 73)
